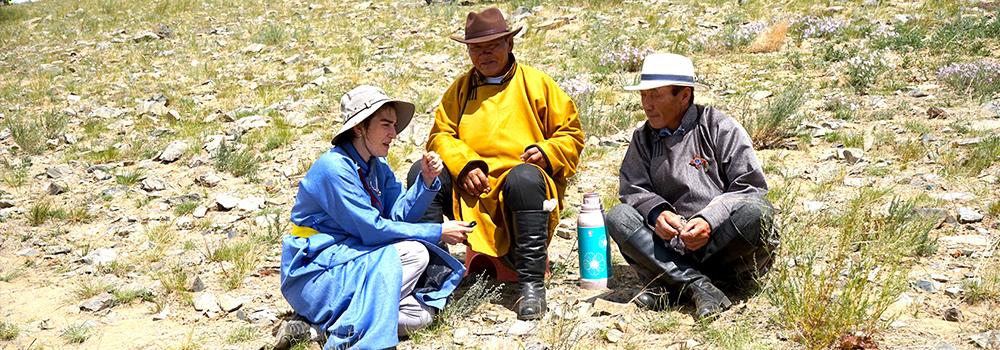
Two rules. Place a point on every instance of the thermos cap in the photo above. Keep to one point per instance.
(591, 201)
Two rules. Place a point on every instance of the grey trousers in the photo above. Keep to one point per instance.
(738, 250)
(412, 314)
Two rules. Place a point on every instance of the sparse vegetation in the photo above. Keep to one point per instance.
(77, 333)
(236, 160)
(9, 330)
(777, 122)
(42, 211)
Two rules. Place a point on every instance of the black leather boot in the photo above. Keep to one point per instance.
(531, 232)
(667, 267)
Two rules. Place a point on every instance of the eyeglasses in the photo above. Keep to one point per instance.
(484, 47)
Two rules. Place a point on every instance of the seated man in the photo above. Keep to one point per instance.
(693, 193)
(510, 138)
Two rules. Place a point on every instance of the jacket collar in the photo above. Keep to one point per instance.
(479, 80)
(688, 122)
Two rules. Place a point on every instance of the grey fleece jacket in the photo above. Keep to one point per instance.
(702, 170)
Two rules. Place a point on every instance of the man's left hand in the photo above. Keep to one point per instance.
(696, 233)
(535, 156)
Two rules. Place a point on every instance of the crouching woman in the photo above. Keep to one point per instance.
(356, 263)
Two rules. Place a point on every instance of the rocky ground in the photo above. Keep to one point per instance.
(150, 152)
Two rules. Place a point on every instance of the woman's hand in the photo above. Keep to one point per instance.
(430, 167)
(455, 232)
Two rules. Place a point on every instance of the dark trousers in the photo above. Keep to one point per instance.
(737, 251)
(524, 189)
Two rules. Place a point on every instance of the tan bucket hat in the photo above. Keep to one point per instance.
(361, 102)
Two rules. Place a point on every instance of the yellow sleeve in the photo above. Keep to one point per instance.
(563, 133)
(443, 138)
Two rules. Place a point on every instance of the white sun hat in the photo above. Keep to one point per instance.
(362, 101)
(663, 69)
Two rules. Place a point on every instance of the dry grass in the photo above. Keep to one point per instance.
(771, 40)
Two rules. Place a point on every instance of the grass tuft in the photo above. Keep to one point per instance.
(777, 122)
(239, 162)
(77, 333)
(9, 330)
(42, 211)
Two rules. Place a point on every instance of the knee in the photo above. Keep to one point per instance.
(754, 216)
(524, 175)
(413, 253)
(621, 221)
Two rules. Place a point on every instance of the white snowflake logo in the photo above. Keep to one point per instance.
(595, 264)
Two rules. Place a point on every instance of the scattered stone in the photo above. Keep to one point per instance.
(6, 203)
(813, 206)
(459, 335)
(520, 328)
(209, 179)
(100, 256)
(173, 152)
(229, 303)
(251, 204)
(213, 144)
(253, 48)
(992, 109)
(953, 291)
(195, 285)
(57, 187)
(200, 211)
(146, 35)
(163, 314)
(258, 316)
(58, 171)
(938, 214)
(851, 155)
(292, 59)
(939, 277)
(57, 250)
(152, 185)
(926, 286)
(614, 336)
(987, 339)
(854, 182)
(206, 302)
(968, 215)
(605, 307)
(944, 346)
(97, 303)
(249, 123)
(953, 314)
(28, 252)
(955, 196)
(974, 240)
(226, 202)
(760, 95)
(936, 113)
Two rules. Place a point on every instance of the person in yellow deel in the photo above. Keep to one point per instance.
(510, 138)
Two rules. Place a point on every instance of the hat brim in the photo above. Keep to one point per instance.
(404, 114)
(652, 84)
(485, 38)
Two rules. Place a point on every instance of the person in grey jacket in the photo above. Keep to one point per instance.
(692, 190)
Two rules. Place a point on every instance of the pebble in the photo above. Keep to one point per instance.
(926, 286)
(196, 285)
(967, 215)
(251, 204)
(953, 314)
(209, 179)
(57, 187)
(226, 202)
(520, 328)
(953, 291)
(58, 171)
(954, 196)
(173, 152)
(760, 95)
(152, 185)
(97, 303)
(206, 302)
(229, 303)
(939, 277)
(200, 211)
(813, 206)
(100, 256)
(987, 339)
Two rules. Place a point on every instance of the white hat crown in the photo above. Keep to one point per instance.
(663, 69)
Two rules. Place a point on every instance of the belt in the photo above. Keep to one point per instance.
(302, 231)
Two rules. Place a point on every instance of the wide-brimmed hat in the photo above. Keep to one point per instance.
(484, 26)
(362, 101)
(663, 69)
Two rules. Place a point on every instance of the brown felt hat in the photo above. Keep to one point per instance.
(485, 26)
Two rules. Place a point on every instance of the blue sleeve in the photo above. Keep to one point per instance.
(406, 206)
(336, 188)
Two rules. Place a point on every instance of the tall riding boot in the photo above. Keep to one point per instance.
(531, 232)
(668, 268)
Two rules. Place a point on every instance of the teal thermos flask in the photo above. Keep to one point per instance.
(593, 240)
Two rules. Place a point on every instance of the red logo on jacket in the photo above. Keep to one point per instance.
(699, 163)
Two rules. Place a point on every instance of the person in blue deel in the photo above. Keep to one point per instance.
(356, 264)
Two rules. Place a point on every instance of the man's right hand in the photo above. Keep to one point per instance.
(455, 232)
(475, 182)
(668, 225)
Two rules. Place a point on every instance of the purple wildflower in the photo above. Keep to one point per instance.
(982, 76)
(627, 58)
(820, 27)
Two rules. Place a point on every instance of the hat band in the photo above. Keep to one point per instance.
(671, 77)
(485, 33)
(367, 106)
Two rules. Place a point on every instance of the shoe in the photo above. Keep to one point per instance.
(531, 234)
(295, 331)
(709, 301)
(654, 299)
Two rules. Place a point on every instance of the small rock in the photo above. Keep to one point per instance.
(968, 215)
(992, 109)
(926, 286)
(28, 252)
(163, 314)
(57, 187)
(6, 203)
(97, 303)
(251, 204)
(213, 144)
(854, 182)
(58, 171)
(943, 346)
(152, 185)
(520, 328)
(605, 307)
(953, 291)
(229, 303)
(100, 256)
(459, 334)
(253, 48)
(57, 250)
(209, 179)
(614, 336)
(953, 315)
(249, 123)
(939, 277)
(258, 316)
(987, 339)
(226, 202)
(173, 152)
(936, 113)
(292, 59)
(760, 95)
(206, 302)
(196, 285)
(145, 35)
(851, 155)
(955, 196)
(200, 211)
(813, 206)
